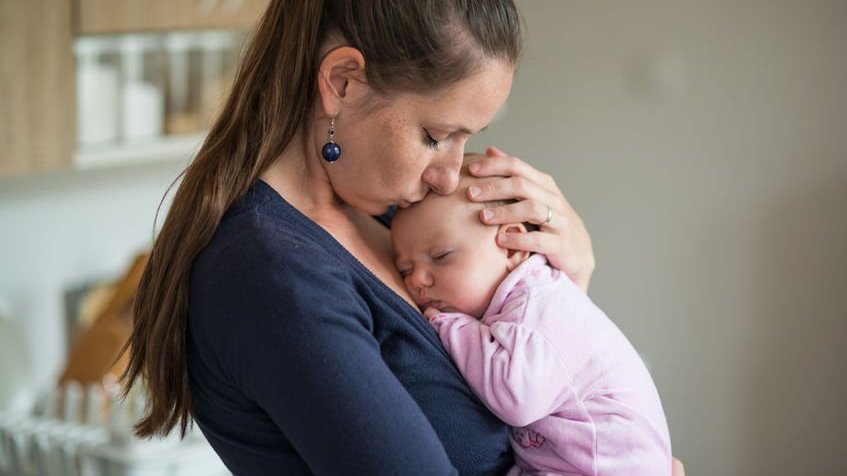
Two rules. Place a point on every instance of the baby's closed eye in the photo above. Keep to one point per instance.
(441, 256)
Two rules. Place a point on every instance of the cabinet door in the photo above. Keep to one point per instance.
(238, 13)
(36, 86)
(121, 16)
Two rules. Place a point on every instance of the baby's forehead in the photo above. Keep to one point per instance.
(436, 216)
(456, 203)
(439, 207)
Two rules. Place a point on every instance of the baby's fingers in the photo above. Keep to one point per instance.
(431, 312)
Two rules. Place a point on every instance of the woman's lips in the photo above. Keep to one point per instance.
(408, 203)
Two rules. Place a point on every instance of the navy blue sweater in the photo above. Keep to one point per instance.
(303, 362)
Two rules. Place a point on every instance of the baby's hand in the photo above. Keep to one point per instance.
(431, 312)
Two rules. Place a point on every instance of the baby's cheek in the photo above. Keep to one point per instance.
(407, 285)
(467, 295)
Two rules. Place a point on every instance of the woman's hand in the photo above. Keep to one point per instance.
(676, 468)
(562, 236)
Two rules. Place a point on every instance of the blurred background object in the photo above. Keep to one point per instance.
(18, 386)
(101, 104)
(82, 425)
(85, 430)
(703, 143)
(92, 83)
(96, 355)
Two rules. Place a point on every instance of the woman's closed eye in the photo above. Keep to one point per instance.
(430, 141)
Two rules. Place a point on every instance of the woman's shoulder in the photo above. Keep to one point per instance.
(258, 280)
(261, 231)
(264, 253)
(262, 249)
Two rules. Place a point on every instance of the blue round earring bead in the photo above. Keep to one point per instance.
(331, 152)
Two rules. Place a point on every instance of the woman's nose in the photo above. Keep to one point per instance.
(443, 176)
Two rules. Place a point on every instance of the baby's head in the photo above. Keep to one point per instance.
(448, 258)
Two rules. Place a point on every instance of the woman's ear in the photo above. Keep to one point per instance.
(514, 257)
(341, 79)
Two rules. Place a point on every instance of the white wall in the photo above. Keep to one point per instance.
(59, 231)
(705, 146)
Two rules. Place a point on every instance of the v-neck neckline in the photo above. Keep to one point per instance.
(322, 234)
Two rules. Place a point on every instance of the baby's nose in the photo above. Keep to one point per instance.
(421, 279)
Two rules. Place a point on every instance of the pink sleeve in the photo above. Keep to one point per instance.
(513, 369)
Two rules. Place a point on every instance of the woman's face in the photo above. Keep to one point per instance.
(397, 152)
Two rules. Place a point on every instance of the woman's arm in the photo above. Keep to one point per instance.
(301, 347)
(564, 239)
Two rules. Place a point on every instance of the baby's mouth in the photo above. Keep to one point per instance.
(437, 305)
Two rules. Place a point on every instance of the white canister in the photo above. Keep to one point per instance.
(142, 102)
(96, 92)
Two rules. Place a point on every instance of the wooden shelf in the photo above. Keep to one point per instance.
(38, 76)
(165, 149)
(95, 17)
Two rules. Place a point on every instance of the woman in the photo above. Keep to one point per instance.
(270, 311)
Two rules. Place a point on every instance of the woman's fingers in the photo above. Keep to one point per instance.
(568, 256)
(531, 211)
(504, 188)
(530, 241)
(509, 166)
(523, 183)
(492, 151)
(677, 469)
(562, 237)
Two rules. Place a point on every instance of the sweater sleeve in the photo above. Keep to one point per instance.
(514, 369)
(293, 334)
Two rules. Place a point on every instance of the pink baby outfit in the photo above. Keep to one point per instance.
(548, 362)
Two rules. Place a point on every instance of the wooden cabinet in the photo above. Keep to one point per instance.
(116, 16)
(36, 86)
(37, 67)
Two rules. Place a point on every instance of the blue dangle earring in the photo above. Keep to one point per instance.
(331, 151)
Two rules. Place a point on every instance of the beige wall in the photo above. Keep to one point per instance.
(705, 145)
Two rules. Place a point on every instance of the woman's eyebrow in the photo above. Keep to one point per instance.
(460, 128)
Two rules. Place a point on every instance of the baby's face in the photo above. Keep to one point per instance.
(449, 260)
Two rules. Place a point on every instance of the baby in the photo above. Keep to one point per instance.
(531, 344)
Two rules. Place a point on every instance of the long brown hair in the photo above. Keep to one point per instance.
(408, 45)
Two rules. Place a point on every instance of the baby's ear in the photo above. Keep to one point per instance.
(514, 256)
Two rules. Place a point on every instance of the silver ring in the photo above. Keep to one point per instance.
(549, 216)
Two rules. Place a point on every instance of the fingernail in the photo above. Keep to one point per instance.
(474, 167)
(474, 190)
(487, 214)
(504, 238)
